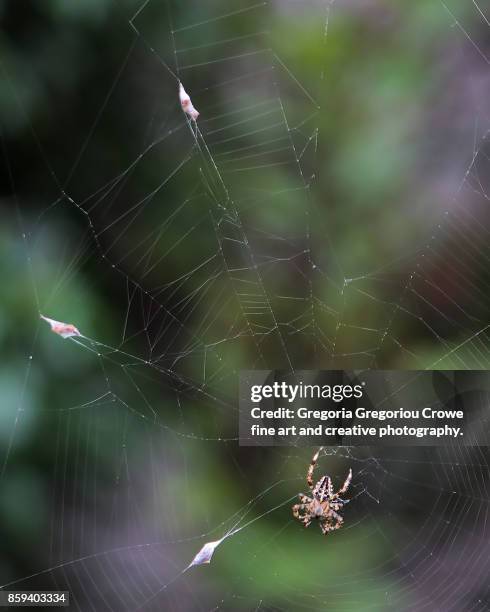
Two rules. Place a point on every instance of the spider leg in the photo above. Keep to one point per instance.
(326, 526)
(298, 510)
(340, 520)
(304, 499)
(346, 484)
(337, 504)
(311, 469)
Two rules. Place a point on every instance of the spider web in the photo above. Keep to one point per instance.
(231, 245)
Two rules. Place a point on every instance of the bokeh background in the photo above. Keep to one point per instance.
(330, 210)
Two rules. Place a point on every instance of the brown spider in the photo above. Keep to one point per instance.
(324, 504)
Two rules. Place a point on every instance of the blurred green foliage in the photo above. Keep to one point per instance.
(82, 472)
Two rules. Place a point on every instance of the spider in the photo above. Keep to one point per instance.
(323, 504)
